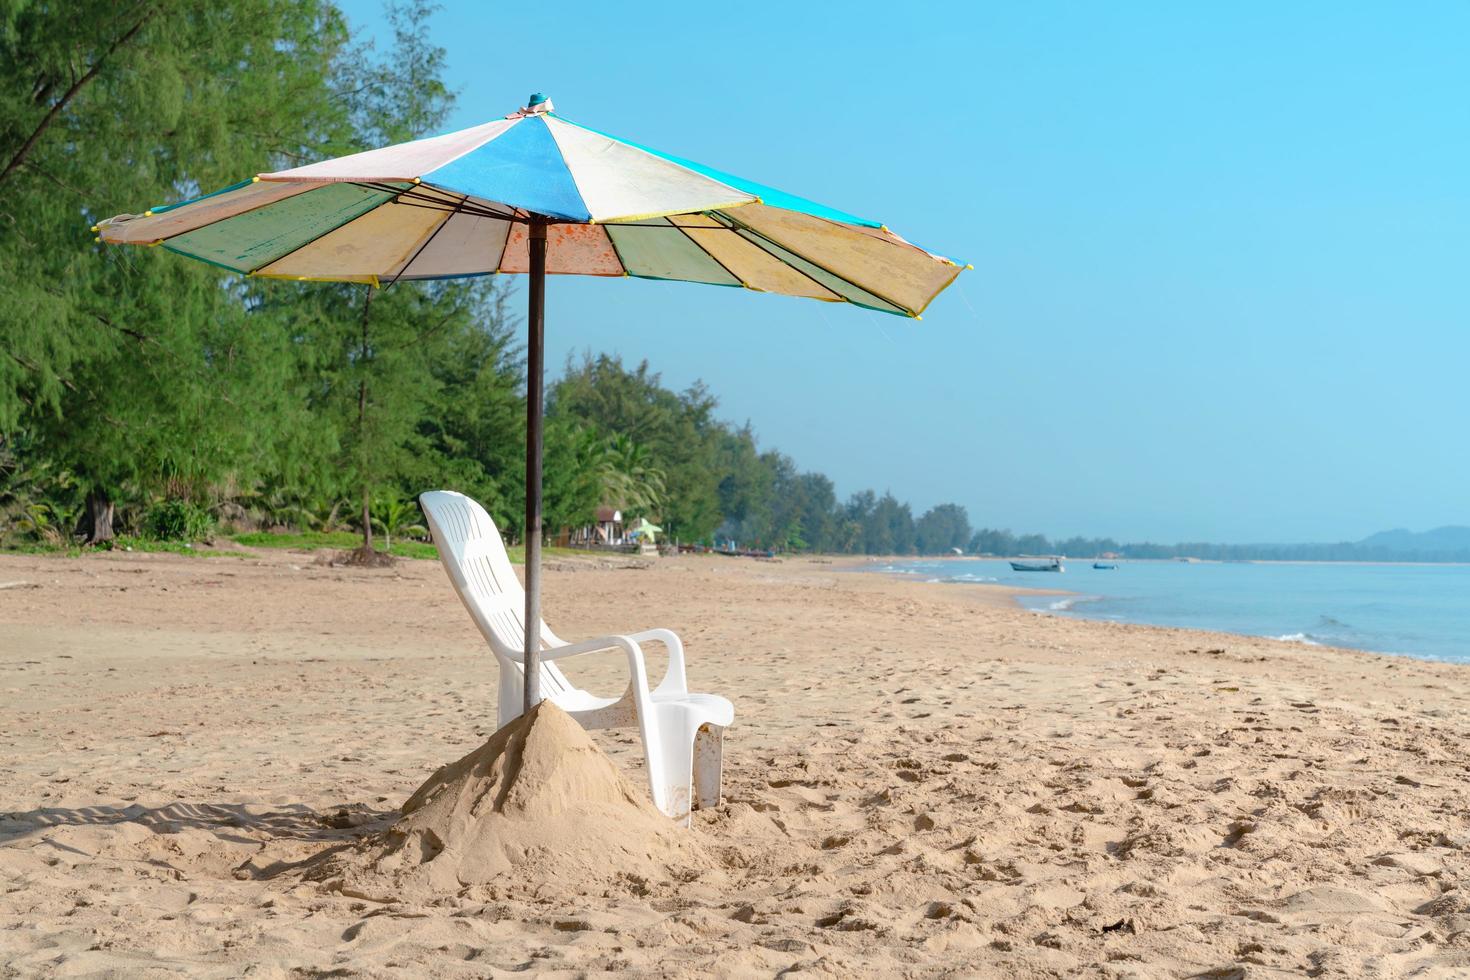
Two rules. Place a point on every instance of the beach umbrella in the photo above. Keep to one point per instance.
(645, 529)
(536, 193)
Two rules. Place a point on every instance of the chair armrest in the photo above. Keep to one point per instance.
(674, 681)
(638, 679)
(611, 642)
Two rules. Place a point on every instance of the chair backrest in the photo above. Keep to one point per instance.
(471, 549)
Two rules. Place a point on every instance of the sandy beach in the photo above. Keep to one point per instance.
(922, 780)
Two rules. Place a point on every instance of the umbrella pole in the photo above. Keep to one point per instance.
(534, 409)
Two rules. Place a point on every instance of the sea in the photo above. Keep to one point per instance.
(1414, 610)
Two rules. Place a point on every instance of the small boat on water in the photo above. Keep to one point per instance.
(1038, 565)
(1105, 565)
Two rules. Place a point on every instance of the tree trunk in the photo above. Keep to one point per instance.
(96, 523)
(367, 522)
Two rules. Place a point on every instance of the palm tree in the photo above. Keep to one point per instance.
(48, 521)
(397, 517)
(630, 477)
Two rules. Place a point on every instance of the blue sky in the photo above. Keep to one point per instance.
(1219, 287)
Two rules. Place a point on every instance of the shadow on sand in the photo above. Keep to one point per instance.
(238, 823)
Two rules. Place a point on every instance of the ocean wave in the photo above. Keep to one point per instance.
(1299, 638)
(1068, 603)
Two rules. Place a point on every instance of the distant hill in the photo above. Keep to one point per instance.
(1450, 538)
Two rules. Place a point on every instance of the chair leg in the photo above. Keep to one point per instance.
(709, 747)
(511, 700)
(683, 766)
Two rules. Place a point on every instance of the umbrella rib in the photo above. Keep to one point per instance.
(758, 234)
(438, 204)
(677, 214)
(419, 200)
(800, 272)
(729, 271)
(425, 244)
(612, 243)
(505, 247)
(381, 185)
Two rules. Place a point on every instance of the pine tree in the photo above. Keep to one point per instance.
(375, 346)
(475, 425)
(122, 365)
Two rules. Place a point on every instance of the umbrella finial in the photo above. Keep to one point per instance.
(536, 105)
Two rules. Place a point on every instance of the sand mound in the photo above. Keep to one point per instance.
(358, 558)
(538, 802)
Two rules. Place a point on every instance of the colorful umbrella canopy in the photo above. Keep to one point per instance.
(456, 204)
(644, 530)
(535, 193)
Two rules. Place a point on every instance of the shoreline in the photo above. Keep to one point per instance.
(990, 593)
(1016, 593)
(1160, 561)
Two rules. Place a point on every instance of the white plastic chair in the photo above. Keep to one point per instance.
(683, 733)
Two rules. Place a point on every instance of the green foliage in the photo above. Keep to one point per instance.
(127, 542)
(942, 529)
(372, 357)
(133, 374)
(397, 518)
(584, 469)
(677, 430)
(177, 520)
(340, 540)
(668, 458)
(475, 426)
(880, 525)
(113, 359)
(572, 465)
(629, 477)
(47, 522)
(277, 506)
(39, 502)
